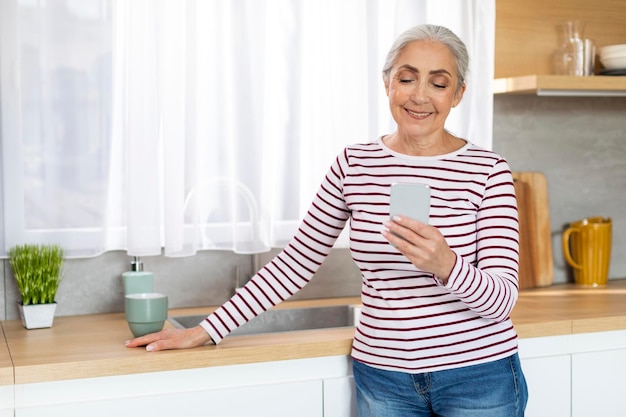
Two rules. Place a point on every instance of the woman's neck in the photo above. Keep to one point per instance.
(425, 146)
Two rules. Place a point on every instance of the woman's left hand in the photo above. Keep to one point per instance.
(422, 244)
(171, 339)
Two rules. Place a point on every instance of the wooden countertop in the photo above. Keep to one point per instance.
(569, 309)
(93, 346)
(6, 365)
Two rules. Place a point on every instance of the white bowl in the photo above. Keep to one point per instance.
(616, 52)
(613, 63)
(613, 55)
(611, 49)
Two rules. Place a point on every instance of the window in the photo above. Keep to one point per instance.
(154, 126)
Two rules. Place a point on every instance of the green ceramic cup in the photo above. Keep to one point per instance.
(145, 312)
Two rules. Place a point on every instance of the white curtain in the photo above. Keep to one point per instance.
(159, 126)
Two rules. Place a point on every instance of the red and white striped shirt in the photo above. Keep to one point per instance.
(409, 321)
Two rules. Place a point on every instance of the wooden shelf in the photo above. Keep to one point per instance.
(562, 85)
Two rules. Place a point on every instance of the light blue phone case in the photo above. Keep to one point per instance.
(410, 200)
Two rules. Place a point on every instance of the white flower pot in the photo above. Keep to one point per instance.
(37, 316)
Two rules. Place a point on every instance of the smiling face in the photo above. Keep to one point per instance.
(422, 88)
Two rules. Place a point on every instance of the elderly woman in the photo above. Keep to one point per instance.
(435, 337)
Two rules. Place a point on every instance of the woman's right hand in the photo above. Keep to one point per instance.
(422, 244)
(171, 339)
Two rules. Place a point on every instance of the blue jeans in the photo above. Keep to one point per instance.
(494, 389)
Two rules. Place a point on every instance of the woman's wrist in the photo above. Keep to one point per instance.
(202, 336)
(446, 270)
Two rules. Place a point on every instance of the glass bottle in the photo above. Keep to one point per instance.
(569, 57)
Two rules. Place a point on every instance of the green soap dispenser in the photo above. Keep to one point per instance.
(137, 280)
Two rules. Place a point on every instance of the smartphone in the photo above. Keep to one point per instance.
(410, 200)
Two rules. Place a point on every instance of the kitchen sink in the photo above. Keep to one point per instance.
(286, 320)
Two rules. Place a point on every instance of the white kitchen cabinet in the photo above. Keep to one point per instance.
(6, 400)
(288, 399)
(546, 366)
(549, 386)
(283, 388)
(598, 384)
(598, 370)
(577, 375)
(339, 397)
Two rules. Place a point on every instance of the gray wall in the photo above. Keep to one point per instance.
(94, 285)
(579, 143)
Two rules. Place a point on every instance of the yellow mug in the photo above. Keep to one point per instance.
(587, 249)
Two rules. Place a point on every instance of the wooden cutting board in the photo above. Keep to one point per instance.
(526, 277)
(536, 264)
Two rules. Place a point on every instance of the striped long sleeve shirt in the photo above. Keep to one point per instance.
(410, 321)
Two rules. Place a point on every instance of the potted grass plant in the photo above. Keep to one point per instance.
(37, 271)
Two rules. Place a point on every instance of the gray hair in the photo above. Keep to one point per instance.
(434, 33)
